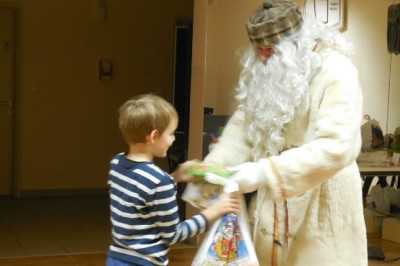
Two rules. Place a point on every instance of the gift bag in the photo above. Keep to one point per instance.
(201, 194)
(228, 242)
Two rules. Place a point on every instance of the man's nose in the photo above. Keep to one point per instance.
(265, 56)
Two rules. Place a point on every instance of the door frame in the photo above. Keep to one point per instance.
(15, 190)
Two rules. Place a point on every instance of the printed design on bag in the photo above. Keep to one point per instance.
(228, 245)
(226, 239)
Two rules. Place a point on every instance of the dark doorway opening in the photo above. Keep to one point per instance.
(181, 100)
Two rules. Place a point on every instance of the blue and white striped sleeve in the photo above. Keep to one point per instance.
(164, 208)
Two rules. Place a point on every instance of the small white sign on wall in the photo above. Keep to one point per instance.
(329, 12)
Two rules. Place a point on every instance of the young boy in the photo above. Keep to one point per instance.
(144, 211)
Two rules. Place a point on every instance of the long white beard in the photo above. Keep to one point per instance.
(275, 94)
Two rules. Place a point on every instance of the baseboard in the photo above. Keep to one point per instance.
(63, 192)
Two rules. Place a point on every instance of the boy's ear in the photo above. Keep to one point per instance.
(153, 135)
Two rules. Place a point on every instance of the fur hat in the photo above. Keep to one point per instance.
(273, 21)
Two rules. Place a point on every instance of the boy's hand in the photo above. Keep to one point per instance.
(227, 203)
(181, 174)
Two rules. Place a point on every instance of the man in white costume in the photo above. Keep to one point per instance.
(295, 137)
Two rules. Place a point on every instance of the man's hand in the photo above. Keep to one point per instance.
(249, 176)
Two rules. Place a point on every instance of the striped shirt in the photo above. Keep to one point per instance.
(144, 213)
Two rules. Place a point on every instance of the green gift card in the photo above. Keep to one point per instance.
(200, 169)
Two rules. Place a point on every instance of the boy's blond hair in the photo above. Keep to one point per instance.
(139, 116)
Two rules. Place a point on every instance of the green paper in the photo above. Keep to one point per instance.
(199, 170)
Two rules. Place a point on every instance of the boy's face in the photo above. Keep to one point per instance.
(164, 141)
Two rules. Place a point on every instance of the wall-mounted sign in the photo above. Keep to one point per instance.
(329, 12)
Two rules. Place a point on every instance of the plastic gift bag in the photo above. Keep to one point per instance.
(228, 242)
(201, 194)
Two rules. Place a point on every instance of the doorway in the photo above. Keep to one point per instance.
(182, 79)
(181, 99)
(8, 85)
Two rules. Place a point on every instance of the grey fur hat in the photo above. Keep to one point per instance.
(273, 21)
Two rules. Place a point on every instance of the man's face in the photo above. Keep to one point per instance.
(265, 52)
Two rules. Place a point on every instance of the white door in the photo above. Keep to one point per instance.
(8, 18)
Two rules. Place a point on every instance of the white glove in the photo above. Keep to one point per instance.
(250, 176)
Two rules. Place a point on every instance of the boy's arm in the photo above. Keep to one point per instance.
(164, 212)
(167, 217)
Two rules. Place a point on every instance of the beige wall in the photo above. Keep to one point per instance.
(226, 36)
(67, 129)
(366, 28)
(67, 118)
(367, 25)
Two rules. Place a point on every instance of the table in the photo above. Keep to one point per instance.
(377, 171)
(368, 173)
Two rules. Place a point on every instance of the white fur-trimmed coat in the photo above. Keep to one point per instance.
(317, 172)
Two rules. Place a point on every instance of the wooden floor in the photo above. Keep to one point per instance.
(390, 249)
(178, 257)
(75, 232)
